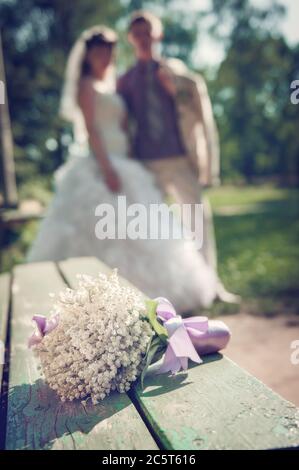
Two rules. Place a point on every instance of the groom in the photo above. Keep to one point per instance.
(175, 132)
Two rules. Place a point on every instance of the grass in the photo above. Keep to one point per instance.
(257, 231)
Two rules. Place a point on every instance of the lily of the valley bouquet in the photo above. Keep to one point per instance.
(103, 336)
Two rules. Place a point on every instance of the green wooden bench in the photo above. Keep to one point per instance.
(217, 405)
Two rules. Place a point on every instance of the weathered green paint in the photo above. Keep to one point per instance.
(4, 306)
(36, 418)
(217, 405)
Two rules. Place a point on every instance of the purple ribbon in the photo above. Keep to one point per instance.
(188, 337)
(44, 327)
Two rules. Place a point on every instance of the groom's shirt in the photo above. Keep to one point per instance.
(153, 110)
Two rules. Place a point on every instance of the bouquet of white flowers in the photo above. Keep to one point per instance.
(103, 336)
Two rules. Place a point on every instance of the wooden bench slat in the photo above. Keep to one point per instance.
(217, 405)
(36, 418)
(4, 306)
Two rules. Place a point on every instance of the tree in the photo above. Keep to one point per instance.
(257, 121)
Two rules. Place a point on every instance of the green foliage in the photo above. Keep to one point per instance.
(251, 94)
(256, 118)
(151, 307)
(155, 351)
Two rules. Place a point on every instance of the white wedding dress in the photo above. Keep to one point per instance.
(169, 268)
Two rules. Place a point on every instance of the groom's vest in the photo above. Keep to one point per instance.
(189, 123)
(156, 133)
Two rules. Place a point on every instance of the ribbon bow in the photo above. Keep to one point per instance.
(44, 327)
(181, 333)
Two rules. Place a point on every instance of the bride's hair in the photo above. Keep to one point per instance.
(105, 38)
(76, 67)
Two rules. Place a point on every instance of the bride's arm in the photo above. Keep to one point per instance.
(86, 100)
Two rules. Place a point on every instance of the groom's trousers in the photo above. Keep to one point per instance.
(177, 179)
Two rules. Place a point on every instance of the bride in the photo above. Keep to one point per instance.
(98, 170)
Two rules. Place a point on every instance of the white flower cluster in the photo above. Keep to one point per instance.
(100, 342)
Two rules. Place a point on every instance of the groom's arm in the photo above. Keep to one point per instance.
(203, 106)
(191, 89)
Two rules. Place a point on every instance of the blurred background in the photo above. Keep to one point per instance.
(248, 51)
